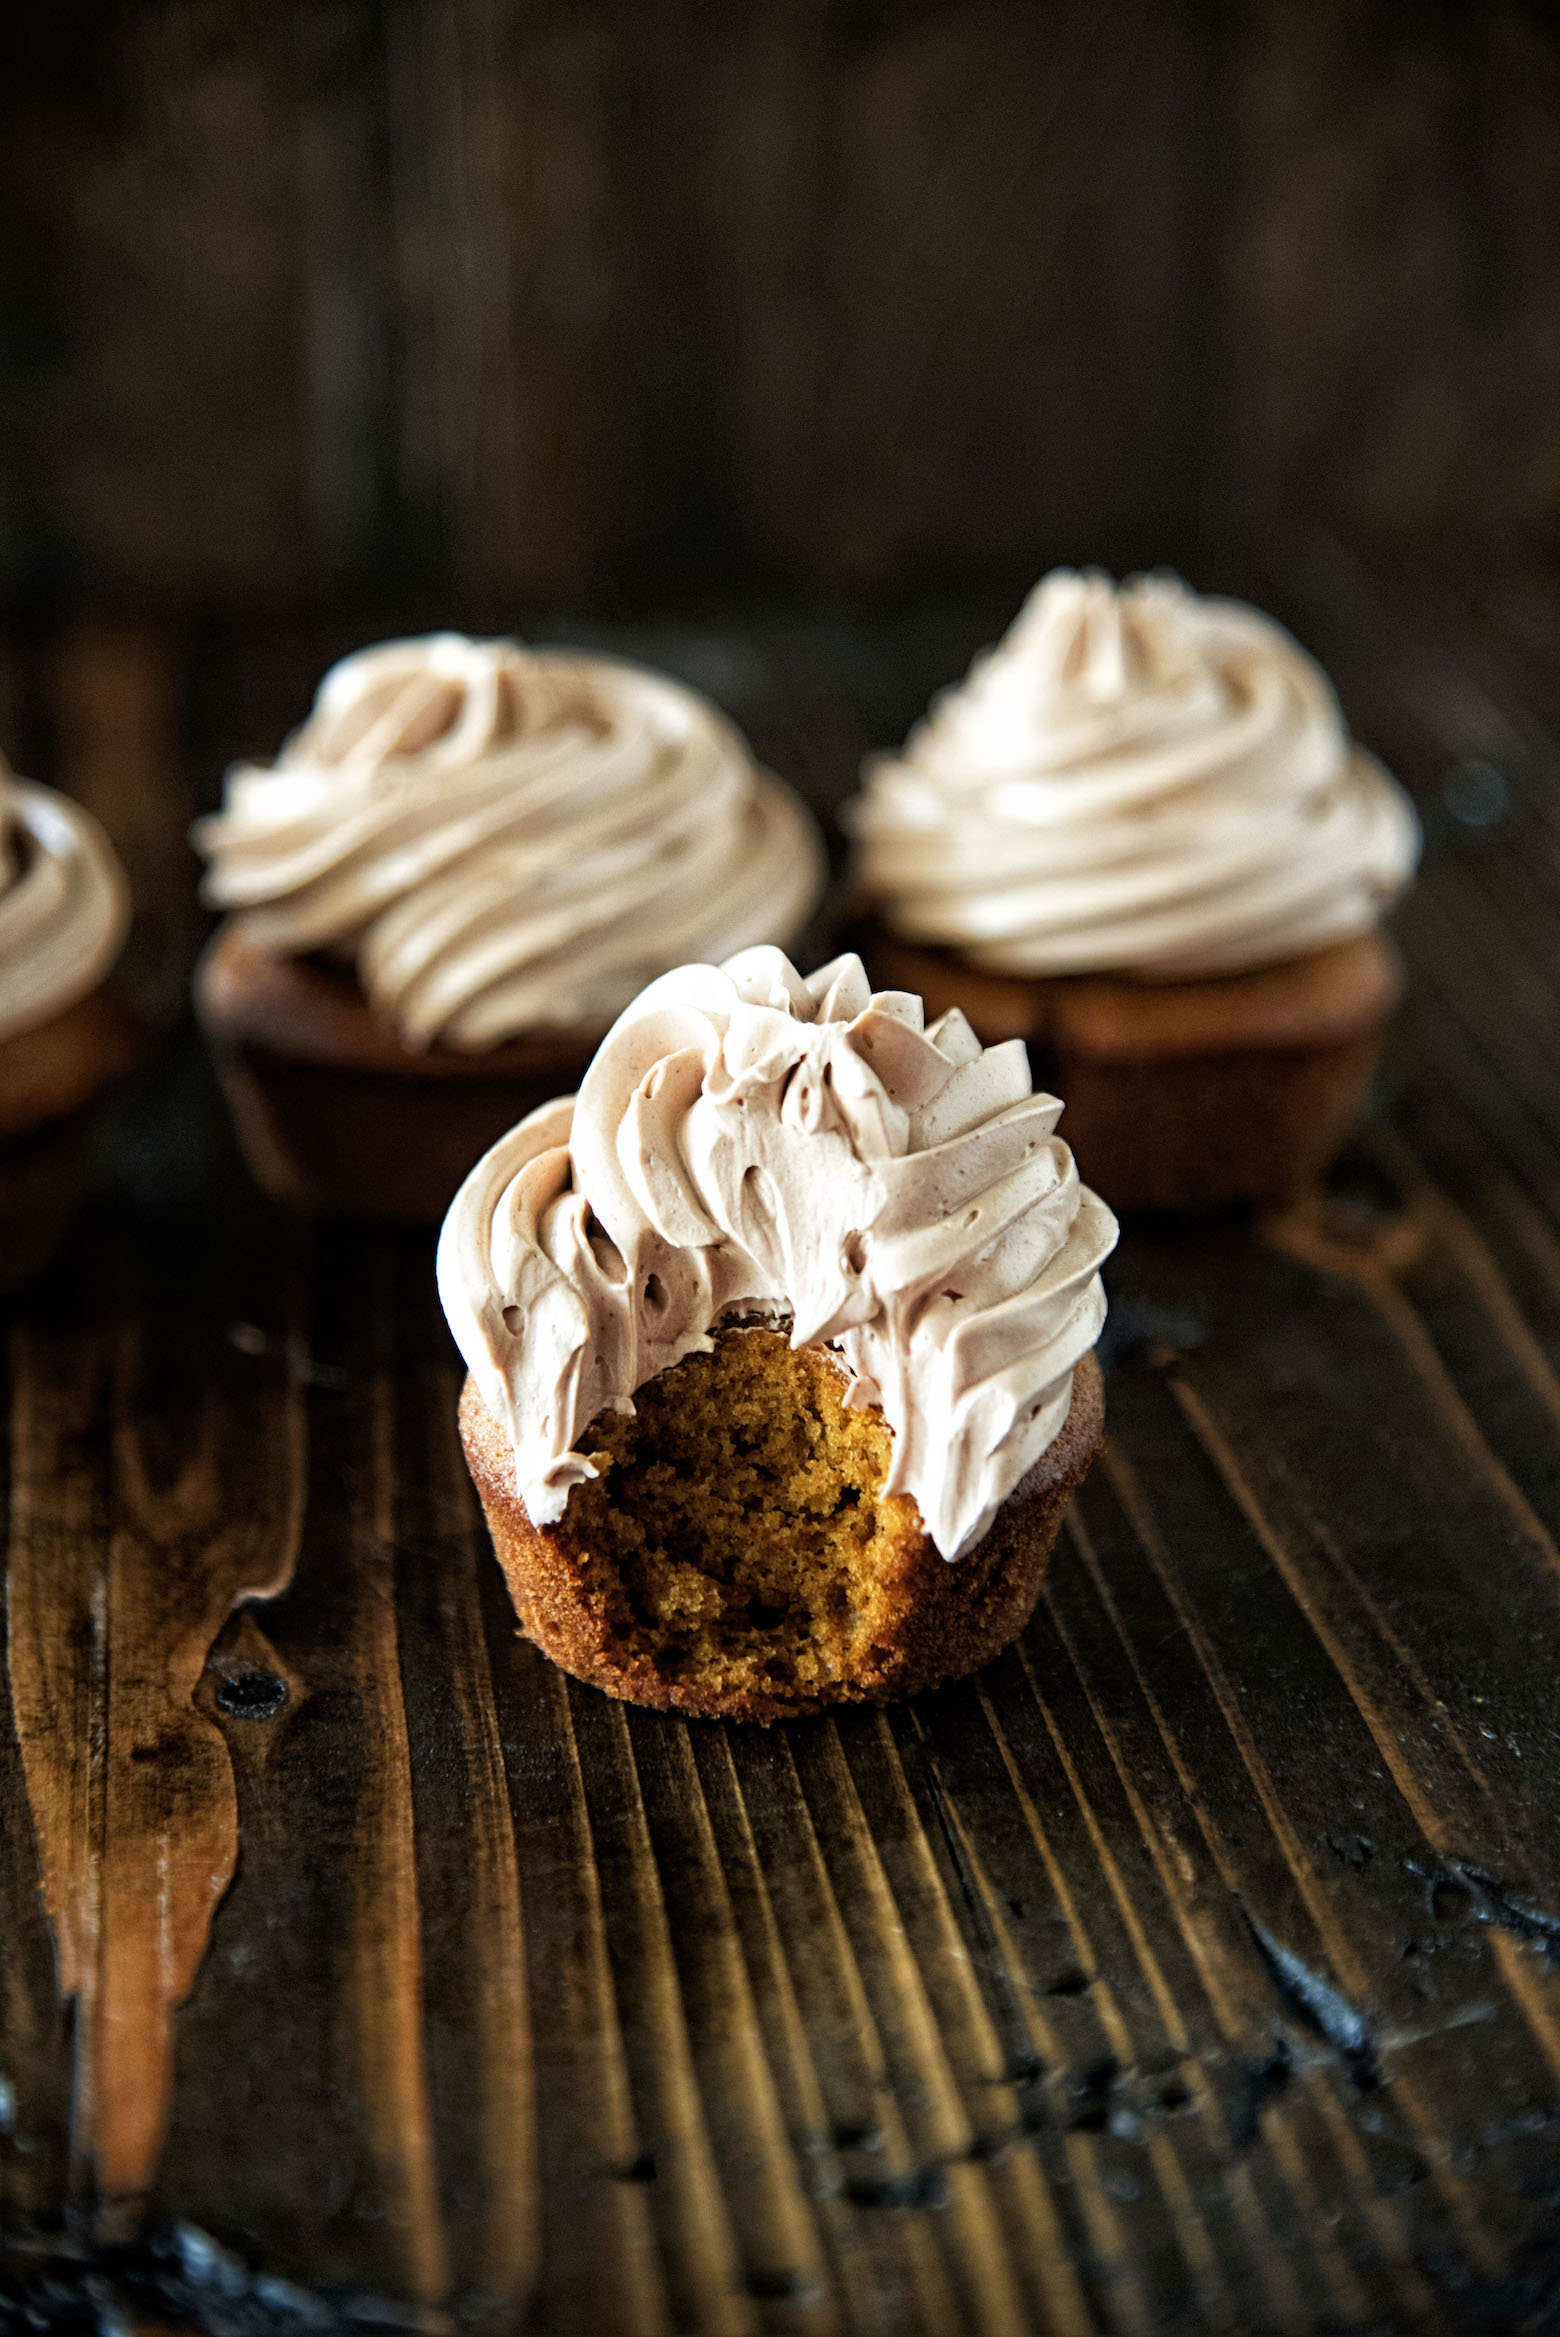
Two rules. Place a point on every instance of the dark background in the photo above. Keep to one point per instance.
(708, 329)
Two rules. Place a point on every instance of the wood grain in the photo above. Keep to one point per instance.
(126, 1557)
(1197, 1967)
(464, 309)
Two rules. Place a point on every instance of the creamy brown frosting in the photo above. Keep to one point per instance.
(1136, 780)
(504, 839)
(748, 1142)
(64, 904)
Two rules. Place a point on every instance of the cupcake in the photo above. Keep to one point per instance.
(64, 1037)
(780, 1339)
(456, 873)
(1139, 837)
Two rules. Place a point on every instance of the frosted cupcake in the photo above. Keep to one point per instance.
(780, 1338)
(456, 873)
(1139, 837)
(64, 1037)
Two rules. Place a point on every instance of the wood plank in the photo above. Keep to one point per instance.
(1193, 1968)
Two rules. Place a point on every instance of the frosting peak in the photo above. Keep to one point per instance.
(502, 838)
(1087, 644)
(445, 701)
(747, 1141)
(64, 904)
(1136, 780)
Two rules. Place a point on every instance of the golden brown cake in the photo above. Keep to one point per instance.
(457, 872)
(1140, 838)
(334, 1114)
(65, 1038)
(738, 1558)
(780, 1340)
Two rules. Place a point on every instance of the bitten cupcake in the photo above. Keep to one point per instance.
(64, 1037)
(1139, 837)
(780, 1338)
(457, 872)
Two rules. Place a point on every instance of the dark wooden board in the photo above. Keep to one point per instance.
(1196, 1967)
(464, 304)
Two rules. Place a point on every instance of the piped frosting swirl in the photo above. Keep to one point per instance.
(1136, 780)
(749, 1142)
(505, 839)
(64, 904)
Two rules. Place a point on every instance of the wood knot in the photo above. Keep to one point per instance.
(252, 1695)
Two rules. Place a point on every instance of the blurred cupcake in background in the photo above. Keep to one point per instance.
(64, 1035)
(1139, 836)
(453, 878)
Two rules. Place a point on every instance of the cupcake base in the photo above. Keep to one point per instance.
(1183, 1095)
(333, 1113)
(734, 1559)
(52, 1082)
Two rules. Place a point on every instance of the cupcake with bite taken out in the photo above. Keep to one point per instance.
(780, 1338)
(1140, 838)
(65, 1037)
(456, 873)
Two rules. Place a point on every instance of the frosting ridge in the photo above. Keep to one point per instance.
(503, 838)
(749, 1142)
(1135, 780)
(64, 904)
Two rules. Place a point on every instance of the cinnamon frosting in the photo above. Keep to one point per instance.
(64, 904)
(504, 839)
(1137, 780)
(748, 1143)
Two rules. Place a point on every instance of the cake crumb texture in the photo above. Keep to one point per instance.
(737, 1555)
(740, 1528)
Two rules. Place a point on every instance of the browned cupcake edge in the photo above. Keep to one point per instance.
(953, 1617)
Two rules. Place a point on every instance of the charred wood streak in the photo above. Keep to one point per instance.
(1320, 2006)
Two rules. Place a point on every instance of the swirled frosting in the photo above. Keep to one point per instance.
(64, 904)
(1137, 781)
(504, 839)
(747, 1142)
